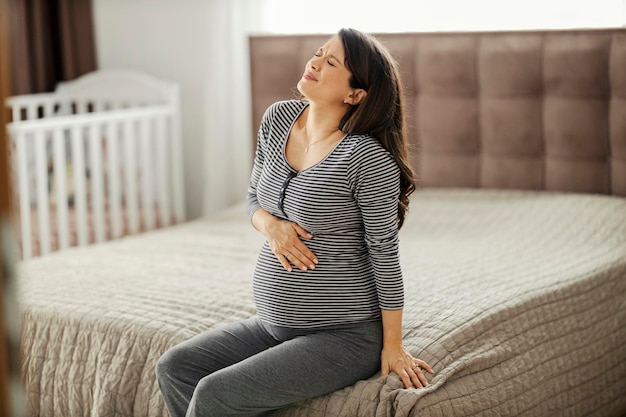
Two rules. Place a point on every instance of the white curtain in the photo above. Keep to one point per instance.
(229, 133)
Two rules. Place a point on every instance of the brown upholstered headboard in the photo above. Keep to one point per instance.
(521, 110)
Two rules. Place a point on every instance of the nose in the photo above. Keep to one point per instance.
(315, 62)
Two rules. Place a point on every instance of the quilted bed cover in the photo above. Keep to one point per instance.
(517, 299)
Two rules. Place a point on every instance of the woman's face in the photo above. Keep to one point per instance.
(326, 78)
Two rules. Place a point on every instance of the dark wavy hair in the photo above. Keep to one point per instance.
(381, 113)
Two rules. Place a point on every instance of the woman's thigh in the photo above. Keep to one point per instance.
(303, 367)
(215, 349)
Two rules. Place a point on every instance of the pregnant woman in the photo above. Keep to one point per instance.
(329, 190)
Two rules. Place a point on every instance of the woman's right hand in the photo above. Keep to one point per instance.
(284, 238)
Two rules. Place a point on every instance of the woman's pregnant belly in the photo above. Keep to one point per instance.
(340, 289)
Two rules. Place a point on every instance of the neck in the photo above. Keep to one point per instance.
(321, 121)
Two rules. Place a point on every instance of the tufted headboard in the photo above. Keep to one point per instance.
(520, 110)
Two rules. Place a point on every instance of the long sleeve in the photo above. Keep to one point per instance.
(252, 199)
(376, 187)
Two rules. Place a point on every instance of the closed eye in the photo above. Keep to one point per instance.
(318, 54)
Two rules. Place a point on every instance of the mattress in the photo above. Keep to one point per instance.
(517, 299)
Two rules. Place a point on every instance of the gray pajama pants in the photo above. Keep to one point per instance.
(249, 368)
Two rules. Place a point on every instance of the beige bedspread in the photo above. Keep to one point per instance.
(517, 299)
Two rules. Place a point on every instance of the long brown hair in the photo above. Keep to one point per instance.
(380, 114)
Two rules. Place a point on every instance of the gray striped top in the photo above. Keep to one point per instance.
(349, 203)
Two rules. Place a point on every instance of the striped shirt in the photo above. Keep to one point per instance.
(349, 203)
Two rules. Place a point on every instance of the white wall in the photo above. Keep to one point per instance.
(188, 41)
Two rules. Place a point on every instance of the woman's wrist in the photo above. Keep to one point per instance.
(392, 327)
(392, 341)
(260, 219)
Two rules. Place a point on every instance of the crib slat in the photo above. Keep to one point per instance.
(81, 106)
(131, 177)
(177, 167)
(115, 201)
(65, 108)
(48, 109)
(147, 203)
(24, 194)
(31, 111)
(162, 172)
(98, 106)
(97, 188)
(60, 185)
(16, 113)
(80, 194)
(43, 205)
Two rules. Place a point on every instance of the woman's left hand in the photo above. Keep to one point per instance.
(395, 358)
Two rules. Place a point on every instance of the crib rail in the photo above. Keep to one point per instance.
(45, 105)
(33, 106)
(103, 174)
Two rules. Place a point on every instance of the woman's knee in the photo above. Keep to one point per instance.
(169, 362)
(163, 366)
(210, 398)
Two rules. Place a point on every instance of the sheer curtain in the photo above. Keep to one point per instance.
(229, 132)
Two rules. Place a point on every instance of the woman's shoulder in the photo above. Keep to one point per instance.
(363, 144)
(369, 159)
(368, 154)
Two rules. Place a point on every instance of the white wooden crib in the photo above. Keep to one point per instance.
(97, 159)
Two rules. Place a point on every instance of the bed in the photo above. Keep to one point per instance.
(514, 250)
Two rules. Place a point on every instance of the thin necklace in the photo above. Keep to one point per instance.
(306, 149)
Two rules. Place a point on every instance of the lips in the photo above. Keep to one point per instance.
(308, 76)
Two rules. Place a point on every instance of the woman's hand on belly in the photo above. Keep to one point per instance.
(284, 239)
